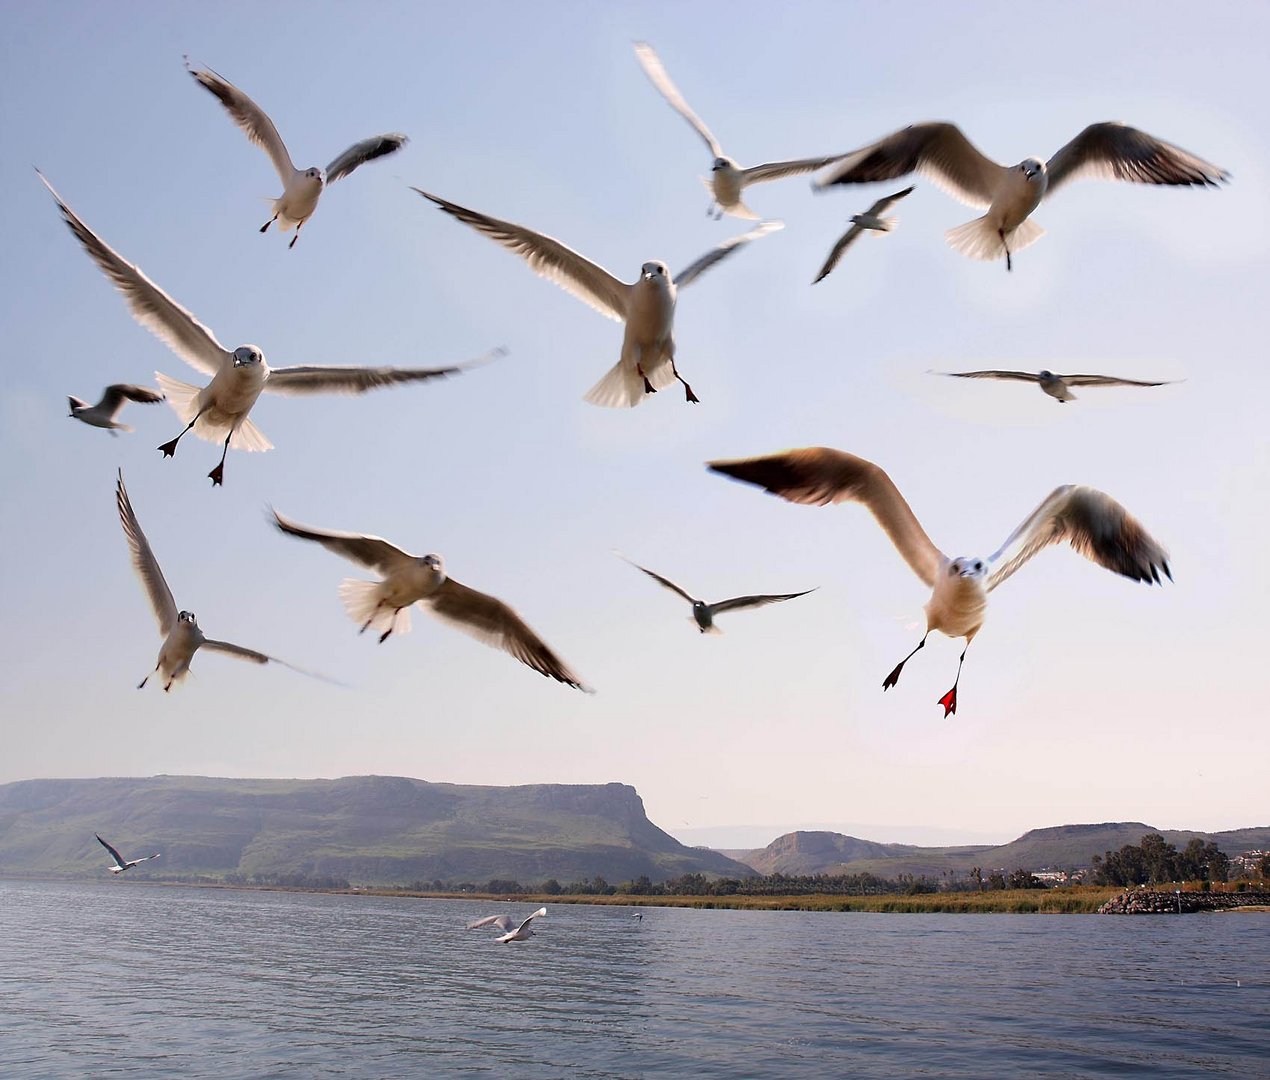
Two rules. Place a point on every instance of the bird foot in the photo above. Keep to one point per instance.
(265, 226)
(949, 702)
(141, 684)
(293, 240)
(385, 635)
(894, 677)
(648, 387)
(169, 448)
(690, 396)
(218, 475)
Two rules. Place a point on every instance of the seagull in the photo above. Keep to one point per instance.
(704, 613)
(218, 411)
(120, 863)
(1110, 151)
(870, 220)
(182, 637)
(506, 922)
(301, 190)
(1057, 386)
(1092, 522)
(407, 579)
(103, 414)
(727, 179)
(638, 915)
(647, 307)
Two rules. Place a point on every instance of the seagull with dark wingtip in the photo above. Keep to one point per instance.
(103, 414)
(122, 864)
(1057, 386)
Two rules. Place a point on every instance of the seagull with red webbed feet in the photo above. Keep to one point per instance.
(1092, 522)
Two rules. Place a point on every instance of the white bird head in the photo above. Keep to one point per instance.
(723, 164)
(436, 564)
(187, 616)
(246, 355)
(1032, 168)
(655, 272)
(968, 566)
(314, 174)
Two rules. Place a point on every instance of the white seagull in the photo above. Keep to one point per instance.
(218, 411)
(120, 863)
(522, 932)
(704, 613)
(1057, 386)
(103, 414)
(871, 220)
(407, 579)
(647, 307)
(727, 179)
(182, 637)
(1093, 523)
(938, 150)
(300, 189)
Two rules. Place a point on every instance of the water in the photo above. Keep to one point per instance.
(125, 979)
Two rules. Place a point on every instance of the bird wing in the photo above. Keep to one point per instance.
(818, 476)
(359, 153)
(144, 562)
(150, 306)
(536, 914)
(661, 580)
(1012, 376)
(716, 255)
(116, 394)
(503, 922)
(1115, 151)
(1107, 380)
(549, 258)
(885, 202)
(844, 241)
(370, 552)
(489, 620)
(937, 150)
(330, 379)
(657, 75)
(739, 602)
(775, 170)
(119, 860)
(251, 118)
(230, 649)
(1095, 525)
(146, 858)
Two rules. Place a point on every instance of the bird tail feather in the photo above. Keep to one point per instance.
(623, 386)
(362, 601)
(77, 404)
(978, 239)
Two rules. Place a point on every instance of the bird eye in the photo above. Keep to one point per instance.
(978, 565)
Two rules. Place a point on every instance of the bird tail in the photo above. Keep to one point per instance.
(363, 602)
(979, 239)
(249, 437)
(77, 404)
(184, 401)
(181, 396)
(889, 224)
(623, 386)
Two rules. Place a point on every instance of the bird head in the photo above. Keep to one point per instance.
(187, 616)
(1046, 375)
(436, 564)
(968, 566)
(655, 272)
(314, 174)
(1032, 168)
(246, 355)
(723, 164)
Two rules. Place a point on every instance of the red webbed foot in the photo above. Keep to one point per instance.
(949, 702)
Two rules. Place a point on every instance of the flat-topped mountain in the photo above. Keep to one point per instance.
(383, 830)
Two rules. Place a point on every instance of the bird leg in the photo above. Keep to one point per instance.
(894, 677)
(949, 700)
(391, 626)
(649, 388)
(265, 226)
(688, 395)
(1008, 264)
(218, 473)
(142, 683)
(296, 237)
(169, 448)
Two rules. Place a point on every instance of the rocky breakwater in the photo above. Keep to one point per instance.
(1148, 902)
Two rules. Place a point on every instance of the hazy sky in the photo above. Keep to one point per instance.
(1087, 697)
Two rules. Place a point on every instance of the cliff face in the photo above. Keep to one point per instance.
(368, 829)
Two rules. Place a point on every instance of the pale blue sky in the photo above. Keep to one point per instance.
(1086, 697)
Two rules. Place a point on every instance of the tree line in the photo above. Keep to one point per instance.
(1154, 861)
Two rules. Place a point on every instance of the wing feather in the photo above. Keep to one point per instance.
(716, 255)
(661, 580)
(839, 249)
(359, 153)
(740, 602)
(658, 76)
(1107, 380)
(144, 562)
(251, 119)
(369, 552)
(119, 860)
(1011, 376)
(775, 170)
(332, 379)
(1115, 151)
(503, 922)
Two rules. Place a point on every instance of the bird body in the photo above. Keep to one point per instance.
(103, 414)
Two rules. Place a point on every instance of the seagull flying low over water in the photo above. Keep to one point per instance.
(505, 923)
(704, 613)
(647, 307)
(1057, 386)
(870, 220)
(218, 411)
(120, 863)
(1093, 523)
(103, 414)
(182, 637)
(408, 579)
(301, 189)
(938, 150)
(727, 179)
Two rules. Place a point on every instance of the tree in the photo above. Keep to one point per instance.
(977, 874)
(551, 887)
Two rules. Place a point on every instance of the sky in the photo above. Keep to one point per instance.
(1085, 698)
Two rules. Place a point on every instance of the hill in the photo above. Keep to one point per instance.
(383, 830)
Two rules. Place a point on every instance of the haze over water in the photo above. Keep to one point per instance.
(140, 980)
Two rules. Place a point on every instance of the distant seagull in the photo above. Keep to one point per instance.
(505, 923)
(704, 613)
(1093, 523)
(408, 579)
(103, 414)
(120, 863)
(218, 411)
(638, 915)
(859, 222)
(646, 307)
(301, 190)
(182, 637)
(727, 180)
(1111, 151)
(1057, 386)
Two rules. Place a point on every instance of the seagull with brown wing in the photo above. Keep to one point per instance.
(1057, 386)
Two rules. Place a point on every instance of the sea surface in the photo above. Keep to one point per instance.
(120, 978)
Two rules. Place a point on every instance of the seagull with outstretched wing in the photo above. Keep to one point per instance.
(522, 932)
(871, 221)
(1088, 520)
(122, 864)
(1057, 386)
(1009, 193)
(301, 189)
(103, 414)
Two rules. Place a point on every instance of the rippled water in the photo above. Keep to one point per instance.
(120, 977)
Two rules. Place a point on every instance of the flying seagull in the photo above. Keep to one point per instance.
(120, 863)
(103, 414)
(870, 220)
(727, 179)
(504, 922)
(218, 411)
(182, 637)
(1057, 386)
(408, 579)
(638, 915)
(938, 150)
(1093, 523)
(647, 307)
(301, 190)
(704, 613)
